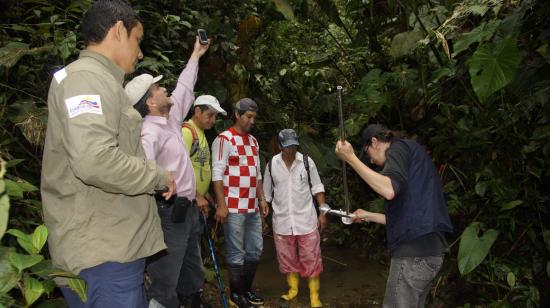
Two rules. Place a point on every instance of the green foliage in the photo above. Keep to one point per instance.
(482, 33)
(492, 68)
(468, 79)
(473, 249)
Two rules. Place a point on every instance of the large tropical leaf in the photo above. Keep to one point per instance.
(473, 249)
(493, 67)
(482, 33)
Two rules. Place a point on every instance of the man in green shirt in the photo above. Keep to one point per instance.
(96, 183)
(205, 110)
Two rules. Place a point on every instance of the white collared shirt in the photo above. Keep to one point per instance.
(291, 199)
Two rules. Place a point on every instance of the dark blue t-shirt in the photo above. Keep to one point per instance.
(417, 217)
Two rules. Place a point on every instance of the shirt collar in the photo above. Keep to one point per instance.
(235, 132)
(299, 157)
(111, 67)
(156, 119)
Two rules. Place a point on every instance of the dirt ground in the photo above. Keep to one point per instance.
(348, 280)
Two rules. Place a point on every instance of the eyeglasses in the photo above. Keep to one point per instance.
(367, 148)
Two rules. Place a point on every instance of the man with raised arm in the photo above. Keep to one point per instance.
(162, 142)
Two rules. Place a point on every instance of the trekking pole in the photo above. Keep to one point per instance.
(346, 220)
(213, 256)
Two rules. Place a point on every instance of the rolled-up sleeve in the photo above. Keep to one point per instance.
(267, 185)
(316, 184)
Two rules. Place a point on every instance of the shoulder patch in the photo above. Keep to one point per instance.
(60, 75)
(77, 105)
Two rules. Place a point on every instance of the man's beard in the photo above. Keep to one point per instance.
(165, 108)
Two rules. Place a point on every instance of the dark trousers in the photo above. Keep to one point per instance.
(182, 255)
(110, 285)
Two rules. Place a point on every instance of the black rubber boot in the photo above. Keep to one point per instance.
(236, 284)
(249, 270)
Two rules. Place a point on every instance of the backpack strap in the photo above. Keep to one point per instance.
(194, 136)
(306, 165)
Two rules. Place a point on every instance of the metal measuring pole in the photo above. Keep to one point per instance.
(342, 138)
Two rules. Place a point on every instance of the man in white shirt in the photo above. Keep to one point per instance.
(289, 183)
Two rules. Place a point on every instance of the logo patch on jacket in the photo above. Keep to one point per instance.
(80, 104)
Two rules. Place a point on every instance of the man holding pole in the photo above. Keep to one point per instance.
(292, 179)
(416, 217)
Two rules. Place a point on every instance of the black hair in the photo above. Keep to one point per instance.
(141, 105)
(381, 133)
(102, 15)
(384, 135)
(203, 108)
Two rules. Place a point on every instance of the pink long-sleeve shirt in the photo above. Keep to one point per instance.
(162, 139)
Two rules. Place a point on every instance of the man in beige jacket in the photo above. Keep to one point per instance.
(96, 182)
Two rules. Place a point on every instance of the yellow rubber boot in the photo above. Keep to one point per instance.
(314, 284)
(293, 280)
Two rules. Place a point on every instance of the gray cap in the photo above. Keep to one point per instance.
(246, 104)
(288, 137)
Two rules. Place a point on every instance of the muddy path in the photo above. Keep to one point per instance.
(348, 280)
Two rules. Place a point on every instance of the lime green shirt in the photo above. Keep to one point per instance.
(200, 158)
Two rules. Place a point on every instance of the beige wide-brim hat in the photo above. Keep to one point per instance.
(137, 87)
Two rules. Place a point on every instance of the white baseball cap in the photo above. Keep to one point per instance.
(137, 87)
(211, 102)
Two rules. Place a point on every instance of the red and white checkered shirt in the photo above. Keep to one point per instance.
(236, 162)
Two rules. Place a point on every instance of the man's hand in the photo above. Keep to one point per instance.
(361, 215)
(344, 150)
(322, 223)
(264, 208)
(171, 186)
(203, 204)
(221, 213)
(199, 50)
